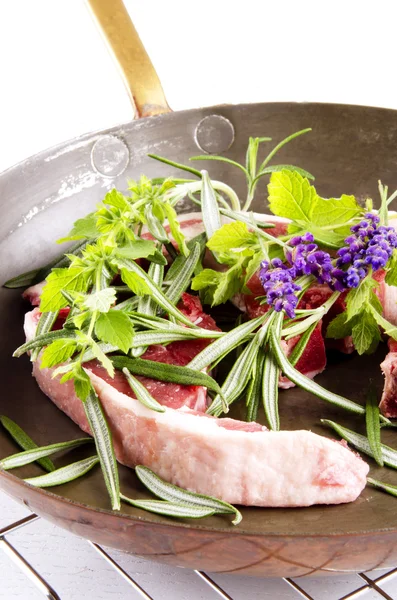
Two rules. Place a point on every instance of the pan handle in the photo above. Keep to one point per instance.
(139, 76)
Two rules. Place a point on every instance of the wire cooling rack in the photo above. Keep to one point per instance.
(370, 586)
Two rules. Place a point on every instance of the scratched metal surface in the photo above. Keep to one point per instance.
(39, 560)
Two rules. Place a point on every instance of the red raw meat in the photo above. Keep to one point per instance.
(388, 403)
(176, 353)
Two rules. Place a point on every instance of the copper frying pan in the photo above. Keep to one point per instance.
(351, 147)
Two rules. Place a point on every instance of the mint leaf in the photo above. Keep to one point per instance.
(57, 352)
(117, 200)
(97, 352)
(101, 300)
(232, 236)
(218, 286)
(365, 333)
(136, 249)
(135, 283)
(72, 279)
(359, 297)
(82, 383)
(391, 275)
(114, 327)
(335, 211)
(339, 327)
(291, 196)
(82, 229)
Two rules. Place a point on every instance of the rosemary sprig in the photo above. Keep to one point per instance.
(25, 441)
(142, 394)
(104, 445)
(389, 455)
(28, 456)
(64, 474)
(385, 487)
(308, 384)
(373, 426)
(172, 493)
(165, 372)
(254, 390)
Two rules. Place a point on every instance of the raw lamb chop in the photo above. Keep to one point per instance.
(176, 353)
(242, 463)
(388, 403)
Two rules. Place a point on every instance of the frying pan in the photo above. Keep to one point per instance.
(350, 148)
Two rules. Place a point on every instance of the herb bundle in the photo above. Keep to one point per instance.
(117, 292)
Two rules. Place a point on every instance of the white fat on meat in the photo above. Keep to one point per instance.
(239, 462)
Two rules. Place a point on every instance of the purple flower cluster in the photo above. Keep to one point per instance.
(369, 246)
(278, 283)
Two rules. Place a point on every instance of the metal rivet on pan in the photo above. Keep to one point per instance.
(214, 134)
(110, 156)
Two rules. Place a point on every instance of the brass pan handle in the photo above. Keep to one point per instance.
(139, 75)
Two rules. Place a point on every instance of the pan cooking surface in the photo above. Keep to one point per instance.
(349, 149)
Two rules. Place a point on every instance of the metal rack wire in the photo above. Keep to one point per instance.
(42, 585)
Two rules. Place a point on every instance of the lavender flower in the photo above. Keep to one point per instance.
(278, 283)
(370, 245)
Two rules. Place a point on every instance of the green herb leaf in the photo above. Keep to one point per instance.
(28, 456)
(141, 393)
(136, 249)
(270, 381)
(130, 267)
(100, 300)
(385, 487)
(73, 279)
(64, 474)
(308, 384)
(359, 297)
(175, 228)
(225, 344)
(135, 283)
(232, 236)
(172, 493)
(339, 327)
(373, 427)
(170, 509)
(104, 445)
(23, 280)
(114, 327)
(97, 352)
(84, 228)
(43, 340)
(291, 196)
(82, 383)
(365, 333)
(255, 386)
(165, 372)
(218, 286)
(360, 442)
(58, 352)
(240, 373)
(23, 440)
(155, 225)
(182, 282)
(44, 325)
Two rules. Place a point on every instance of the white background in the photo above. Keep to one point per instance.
(57, 81)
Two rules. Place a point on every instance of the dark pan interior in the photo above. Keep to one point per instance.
(349, 150)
